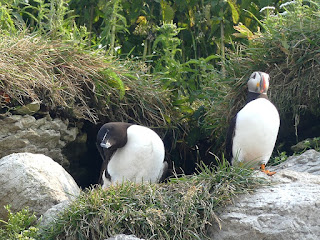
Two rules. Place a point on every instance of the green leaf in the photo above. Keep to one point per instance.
(207, 59)
(234, 11)
(117, 82)
(167, 11)
(128, 75)
(244, 32)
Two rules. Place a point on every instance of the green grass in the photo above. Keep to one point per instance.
(83, 84)
(183, 208)
(20, 225)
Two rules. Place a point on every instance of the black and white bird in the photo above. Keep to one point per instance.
(130, 152)
(253, 131)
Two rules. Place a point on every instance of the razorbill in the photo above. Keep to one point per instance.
(130, 152)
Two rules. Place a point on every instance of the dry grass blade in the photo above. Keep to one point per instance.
(84, 85)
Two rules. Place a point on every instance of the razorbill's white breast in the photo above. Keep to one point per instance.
(130, 152)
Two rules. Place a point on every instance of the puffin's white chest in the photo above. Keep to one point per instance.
(141, 159)
(256, 131)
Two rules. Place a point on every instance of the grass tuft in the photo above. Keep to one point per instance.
(183, 208)
(77, 83)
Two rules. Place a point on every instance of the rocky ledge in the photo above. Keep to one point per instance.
(27, 134)
(288, 208)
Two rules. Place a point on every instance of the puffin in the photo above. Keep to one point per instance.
(130, 152)
(254, 129)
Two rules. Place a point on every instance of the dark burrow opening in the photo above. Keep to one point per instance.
(84, 158)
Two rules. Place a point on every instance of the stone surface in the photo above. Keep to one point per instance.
(288, 209)
(53, 213)
(30, 108)
(33, 180)
(124, 237)
(306, 144)
(28, 134)
(309, 162)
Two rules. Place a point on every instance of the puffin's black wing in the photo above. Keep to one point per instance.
(229, 140)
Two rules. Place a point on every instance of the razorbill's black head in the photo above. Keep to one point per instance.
(253, 131)
(130, 152)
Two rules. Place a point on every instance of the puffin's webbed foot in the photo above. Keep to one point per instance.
(263, 169)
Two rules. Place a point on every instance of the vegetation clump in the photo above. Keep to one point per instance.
(20, 225)
(183, 208)
(81, 84)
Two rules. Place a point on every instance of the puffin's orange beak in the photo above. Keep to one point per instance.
(263, 84)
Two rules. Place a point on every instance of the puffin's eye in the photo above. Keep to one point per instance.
(254, 76)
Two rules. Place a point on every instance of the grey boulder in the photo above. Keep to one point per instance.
(33, 180)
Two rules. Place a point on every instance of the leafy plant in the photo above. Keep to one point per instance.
(113, 22)
(280, 158)
(188, 80)
(167, 43)
(53, 18)
(7, 20)
(38, 14)
(20, 225)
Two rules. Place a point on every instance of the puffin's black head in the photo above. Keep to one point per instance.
(113, 135)
(258, 82)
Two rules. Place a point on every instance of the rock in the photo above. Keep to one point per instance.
(124, 237)
(28, 134)
(306, 144)
(287, 209)
(30, 108)
(309, 162)
(33, 180)
(53, 213)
